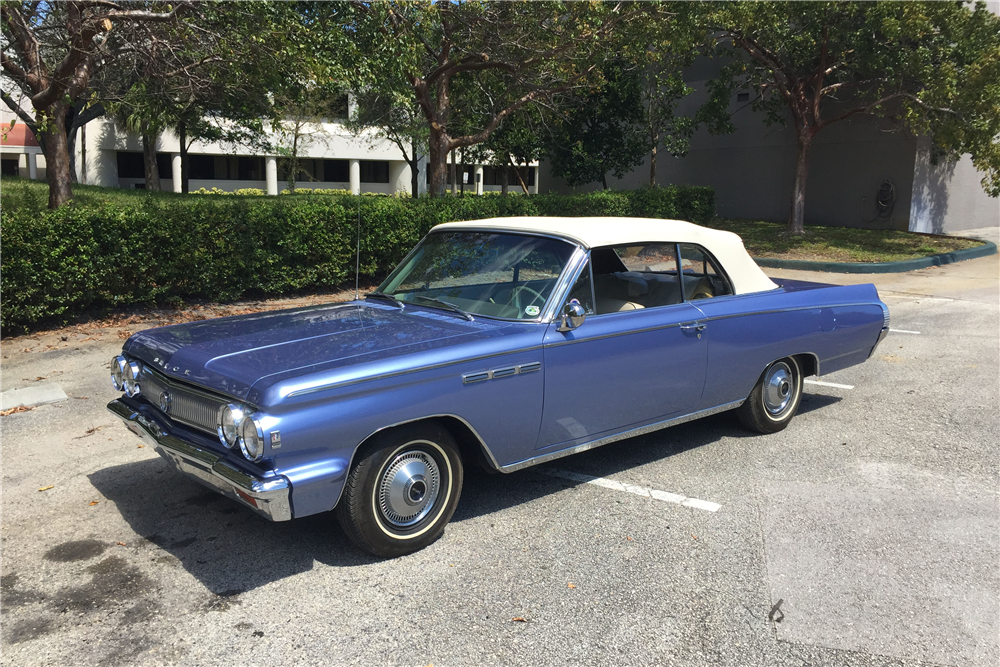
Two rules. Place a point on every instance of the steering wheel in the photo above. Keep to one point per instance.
(515, 297)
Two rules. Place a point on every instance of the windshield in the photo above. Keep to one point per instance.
(509, 276)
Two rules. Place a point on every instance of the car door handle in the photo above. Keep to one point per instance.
(694, 326)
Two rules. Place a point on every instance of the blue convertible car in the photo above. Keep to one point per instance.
(502, 343)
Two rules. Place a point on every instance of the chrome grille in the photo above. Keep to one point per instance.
(186, 405)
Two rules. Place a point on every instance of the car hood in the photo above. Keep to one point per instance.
(231, 354)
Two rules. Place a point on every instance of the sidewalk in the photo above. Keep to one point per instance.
(971, 280)
(982, 233)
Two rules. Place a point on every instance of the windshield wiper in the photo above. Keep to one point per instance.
(445, 305)
(386, 297)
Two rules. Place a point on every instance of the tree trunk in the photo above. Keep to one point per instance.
(796, 221)
(437, 162)
(652, 159)
(517, 172)
(505, 180)
(414, 170)
(71, 129)
(604, 180)
(182, 136)
(293, 162)
(150, 169)
(57, 170)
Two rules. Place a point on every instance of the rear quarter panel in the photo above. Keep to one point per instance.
(839, 325)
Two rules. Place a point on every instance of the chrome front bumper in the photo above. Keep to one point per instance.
(268, 497)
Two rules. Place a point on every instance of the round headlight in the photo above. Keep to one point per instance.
(229, 424)
(251, 439)
(131, 378)
(118, 372)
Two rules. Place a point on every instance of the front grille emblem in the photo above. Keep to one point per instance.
(165, 402)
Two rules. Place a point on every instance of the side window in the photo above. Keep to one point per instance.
(632, 277)
(583, 290)
(700, 274)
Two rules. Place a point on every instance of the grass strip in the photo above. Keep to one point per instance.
(839, 244)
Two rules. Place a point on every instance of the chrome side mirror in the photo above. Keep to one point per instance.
(572, 316)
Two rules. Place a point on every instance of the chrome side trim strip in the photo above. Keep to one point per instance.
(787, 310)
(429, 367)
(642, 430)
(617, 333)
(497, 373)
(469, 378)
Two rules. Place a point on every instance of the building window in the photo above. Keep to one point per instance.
(164, 165)
(374, 171)
(250, 168)
(130, 165)
(201, 167)
(459, 168)
(495, 175)
(8, 167)
(336, 171)
(742, 97)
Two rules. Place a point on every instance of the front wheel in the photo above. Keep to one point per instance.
(402, 491)
(774, 399)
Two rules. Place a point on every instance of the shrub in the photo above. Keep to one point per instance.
(154, 249)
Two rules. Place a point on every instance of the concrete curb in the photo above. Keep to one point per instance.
(881, 267)
(30, 396)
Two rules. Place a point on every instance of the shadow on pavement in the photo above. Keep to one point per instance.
(230, 550)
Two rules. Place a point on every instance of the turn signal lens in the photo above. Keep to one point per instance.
(131, 378)
(118, 372)
(251, 439)
(229, 424)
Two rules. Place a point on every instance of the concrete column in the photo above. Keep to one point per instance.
(32, 159)
(175, 170)
(478, 178)
(535, 189)
(422, 179)
(399, 176)
(355, 176)
(271, 174)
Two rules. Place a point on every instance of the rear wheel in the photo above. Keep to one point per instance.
(402, 491)
(775, 398)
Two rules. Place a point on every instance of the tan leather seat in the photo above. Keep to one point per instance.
(616, 305)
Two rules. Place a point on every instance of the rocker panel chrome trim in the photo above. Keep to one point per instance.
(642, 430)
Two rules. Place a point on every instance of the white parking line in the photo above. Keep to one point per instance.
(903, 331)
(655, 494)
(829, 384)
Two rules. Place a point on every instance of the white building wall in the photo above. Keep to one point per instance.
(948, 196)
(331, 141)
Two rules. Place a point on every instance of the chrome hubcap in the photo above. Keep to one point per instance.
(409, 488)
(778, 388)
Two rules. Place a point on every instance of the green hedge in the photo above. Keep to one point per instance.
(157, 249)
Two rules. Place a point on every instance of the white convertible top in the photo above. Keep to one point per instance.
(595, 232)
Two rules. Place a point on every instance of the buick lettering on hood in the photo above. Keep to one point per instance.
(501, 343)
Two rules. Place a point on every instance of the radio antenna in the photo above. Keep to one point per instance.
(357, 256)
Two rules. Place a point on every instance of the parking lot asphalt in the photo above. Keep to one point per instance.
(867, 533)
